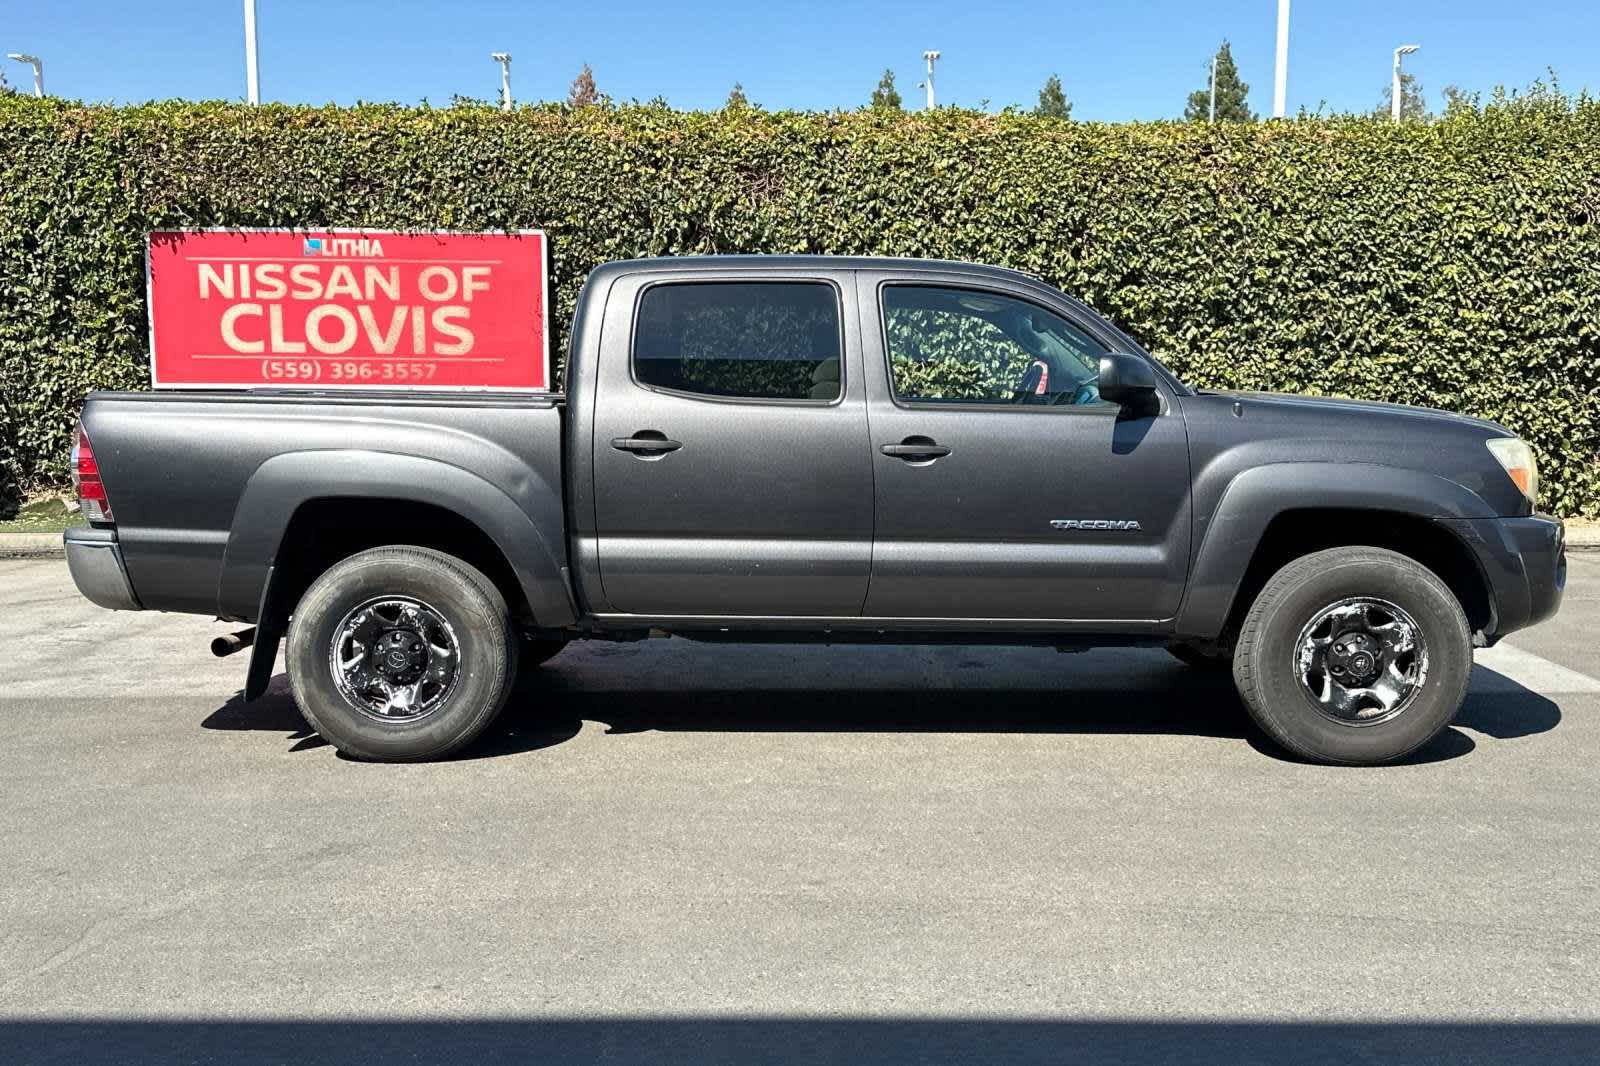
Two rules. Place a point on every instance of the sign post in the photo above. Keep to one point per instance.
(349, 309)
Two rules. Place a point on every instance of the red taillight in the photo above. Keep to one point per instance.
(86, 481)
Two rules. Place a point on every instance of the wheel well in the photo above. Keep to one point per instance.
(323, 531)
(1301, 532)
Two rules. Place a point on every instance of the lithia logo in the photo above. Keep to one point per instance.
(1118, 524)
(364, 247)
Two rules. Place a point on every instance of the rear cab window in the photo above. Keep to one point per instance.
(758, 340)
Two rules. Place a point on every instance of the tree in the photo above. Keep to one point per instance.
(737, 98)
(1053, 103)
(886, 97)
(1412, 105)
(583, 93)
(1457, 100)
(5, 86)
(1232, 94)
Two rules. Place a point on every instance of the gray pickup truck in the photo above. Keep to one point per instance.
(823, 449)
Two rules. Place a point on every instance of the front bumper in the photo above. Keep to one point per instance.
(1524, 561)
(95, 561)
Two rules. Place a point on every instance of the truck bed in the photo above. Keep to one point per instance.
(205, 484)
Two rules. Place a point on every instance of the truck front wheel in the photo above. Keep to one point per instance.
(1353, 656)
(400, 654)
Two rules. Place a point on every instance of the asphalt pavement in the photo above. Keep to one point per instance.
(682, 852)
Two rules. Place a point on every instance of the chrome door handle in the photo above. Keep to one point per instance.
(646, 443)
(915, 450)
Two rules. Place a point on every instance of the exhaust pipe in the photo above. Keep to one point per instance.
(233, 642)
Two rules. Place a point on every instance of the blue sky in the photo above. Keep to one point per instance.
(1117, 60)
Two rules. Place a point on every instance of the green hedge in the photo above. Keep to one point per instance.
(1455, 264)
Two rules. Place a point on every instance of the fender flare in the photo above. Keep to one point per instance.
(283, 483)
(1255, 497)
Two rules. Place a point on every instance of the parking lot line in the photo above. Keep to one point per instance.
(1532, 671)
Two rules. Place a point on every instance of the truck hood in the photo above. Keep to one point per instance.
(1335, 406)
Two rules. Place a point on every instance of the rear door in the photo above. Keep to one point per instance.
(1005, 488)
(731, 468)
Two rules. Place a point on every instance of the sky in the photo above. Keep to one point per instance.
(1117, 61)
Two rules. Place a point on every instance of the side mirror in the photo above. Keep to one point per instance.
(1126, 379)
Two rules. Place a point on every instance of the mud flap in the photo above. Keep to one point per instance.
(270, 626)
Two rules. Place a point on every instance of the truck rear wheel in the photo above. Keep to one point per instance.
(400, 654)
(1354, 656)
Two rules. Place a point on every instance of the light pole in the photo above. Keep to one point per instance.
(1213, 89)
(252, 73)
(38, 69)
(504, 59)
(1280, 82)
(1394, 92)
(932, 57)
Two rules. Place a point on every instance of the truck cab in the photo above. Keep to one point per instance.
(873, 444)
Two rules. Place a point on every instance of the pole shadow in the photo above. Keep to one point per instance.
(703, 1041)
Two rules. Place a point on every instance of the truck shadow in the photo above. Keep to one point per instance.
(551, 705)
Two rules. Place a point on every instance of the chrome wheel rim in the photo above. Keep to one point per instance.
(395, 659)
(1361, 661)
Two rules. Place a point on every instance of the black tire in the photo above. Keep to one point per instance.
(1265, 667)
(1199, 658)
(485, 654)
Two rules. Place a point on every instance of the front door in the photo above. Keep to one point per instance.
(730, 460)
(1005, 488)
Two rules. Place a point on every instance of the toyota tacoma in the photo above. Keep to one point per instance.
(805, 448)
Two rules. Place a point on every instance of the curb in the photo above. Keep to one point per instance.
(31, 546)
(1583, 538)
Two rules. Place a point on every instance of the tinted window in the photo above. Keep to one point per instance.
(763, 340)
(966, 346)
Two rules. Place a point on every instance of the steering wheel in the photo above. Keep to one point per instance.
(1086, 393)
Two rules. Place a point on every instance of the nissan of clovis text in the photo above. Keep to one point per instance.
(801, 448)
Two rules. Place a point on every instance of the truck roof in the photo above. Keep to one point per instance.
(802, 263)
(808, 262)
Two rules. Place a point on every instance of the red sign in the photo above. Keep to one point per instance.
(362, 309)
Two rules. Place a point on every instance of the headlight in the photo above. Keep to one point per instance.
(1515, 455)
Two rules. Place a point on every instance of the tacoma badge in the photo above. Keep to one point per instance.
(1119, 524)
